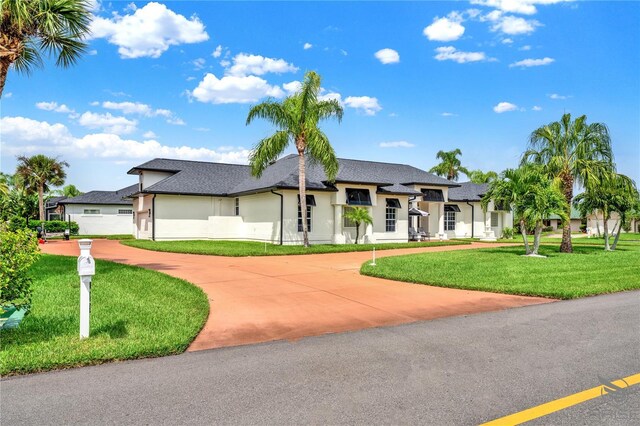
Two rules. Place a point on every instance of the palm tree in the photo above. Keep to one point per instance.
(37, 173)
(450, 165)
(29, 28)
(358, 215)
(478, 176)
(574, 152)
(296, 118)
(543, 200)
(624, 201)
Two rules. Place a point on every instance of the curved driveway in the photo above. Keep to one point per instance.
(259, 299)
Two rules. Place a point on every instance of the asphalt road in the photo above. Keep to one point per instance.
(462, 370)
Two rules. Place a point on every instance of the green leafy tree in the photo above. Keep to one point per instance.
(358, 215)
(478, 176)
(297, 118)
(30, 28)
(71, 191)
(36, 173)
(573, 152)
(450, 166)
(543, 200)
(626, 201)
(18, 251)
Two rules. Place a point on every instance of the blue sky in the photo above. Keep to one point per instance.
(176, 79)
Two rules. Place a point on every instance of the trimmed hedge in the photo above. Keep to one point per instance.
(16, 223)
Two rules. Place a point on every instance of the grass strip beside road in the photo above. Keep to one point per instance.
(135, 313)
(252, 248)
(586, 272)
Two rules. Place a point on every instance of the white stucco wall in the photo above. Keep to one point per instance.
(108, 222)
(148, 178)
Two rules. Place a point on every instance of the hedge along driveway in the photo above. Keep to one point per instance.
(135, 313)
(259, 299)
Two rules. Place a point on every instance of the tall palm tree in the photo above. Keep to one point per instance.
(358, 215)
(37, 173)
(478, 176)
(297, 118)
(574, 152)
(543, 200)
(450, 166)
(29, 28)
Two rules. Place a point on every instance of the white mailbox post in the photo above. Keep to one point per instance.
(86, 270)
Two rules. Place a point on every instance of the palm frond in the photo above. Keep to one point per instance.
(267, 151)
(321, 151)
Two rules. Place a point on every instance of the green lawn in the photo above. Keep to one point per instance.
(252, 248)
(135, 313)
(96, 237)
(588, 271)
(624, 237)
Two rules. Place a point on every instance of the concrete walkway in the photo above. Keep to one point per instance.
(260, 299)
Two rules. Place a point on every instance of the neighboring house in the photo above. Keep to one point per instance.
(179, 200)
(53, 209)
(554, 221)
(467, 219)
(595, 222)
(102, 212)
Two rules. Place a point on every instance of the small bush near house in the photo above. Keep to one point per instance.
(55, 226)
(18, 251)
(583, 227)
(507, 233)
(547, 229)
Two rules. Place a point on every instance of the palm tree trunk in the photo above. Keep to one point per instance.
(303, 196)
(595, 213)
(4, 70)
(536, 238)
(615, 241)
(357, 231)
(523, 230)
(567, 186)
(605, 227)
(41, 202)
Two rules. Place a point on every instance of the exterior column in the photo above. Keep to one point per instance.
(441, 232)
(368, 231)
(337, 224)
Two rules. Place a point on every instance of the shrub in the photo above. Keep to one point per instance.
(507, 233)
(55, 226)
(547, 229)
(18, 251)
(583, 227)
(17, 222)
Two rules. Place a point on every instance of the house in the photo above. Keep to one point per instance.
(101, 212)
(179, 200)
(465, 217)
(53, 209)
(595, 222)
(575, 219)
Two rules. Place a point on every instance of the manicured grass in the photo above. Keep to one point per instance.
(252, 248)
(588, 271)
(624, 239)
(135, 313)
(96, 237)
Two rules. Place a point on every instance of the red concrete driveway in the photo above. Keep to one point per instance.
(259, 299)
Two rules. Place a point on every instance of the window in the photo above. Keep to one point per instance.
(494, 219)
(393, 203)
(125, 211)
(358, 197)
(308, 219)
(432, 195)
(346, 223)
(311, 200)
(236, 209)
(449, 221)
(451, 208)
(55, 216)
(390, 219)
(91, 211)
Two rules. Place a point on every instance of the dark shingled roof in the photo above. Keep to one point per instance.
(54, 201)
(204, 178)
(468, 191)
(104, 197)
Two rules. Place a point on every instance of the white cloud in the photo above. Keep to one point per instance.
(107, 122)
(234, 89)
(449, 53)
(344, 52)
(511, 25)
(292, 87)
(307, 46)
(537, 108)
(558, 97)
(23, 135)
(525, 63)
(149, 31)
(8, 95)
(448, 114)
(365, 104)
(217, 52)
(504, 107)
(149, 135)
(198, 63)
(176, 121)
(396, 144)
(53, 106)
(92, 52)
(445, 29)
(507, 41)
(328, 96)
(387, 56)
(524, 7)
(525, 47)
(245, 64)
(135, 108)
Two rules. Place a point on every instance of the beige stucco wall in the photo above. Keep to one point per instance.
(108, 222)
(148, 178)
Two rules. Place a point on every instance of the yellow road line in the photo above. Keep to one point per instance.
(562, 403)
